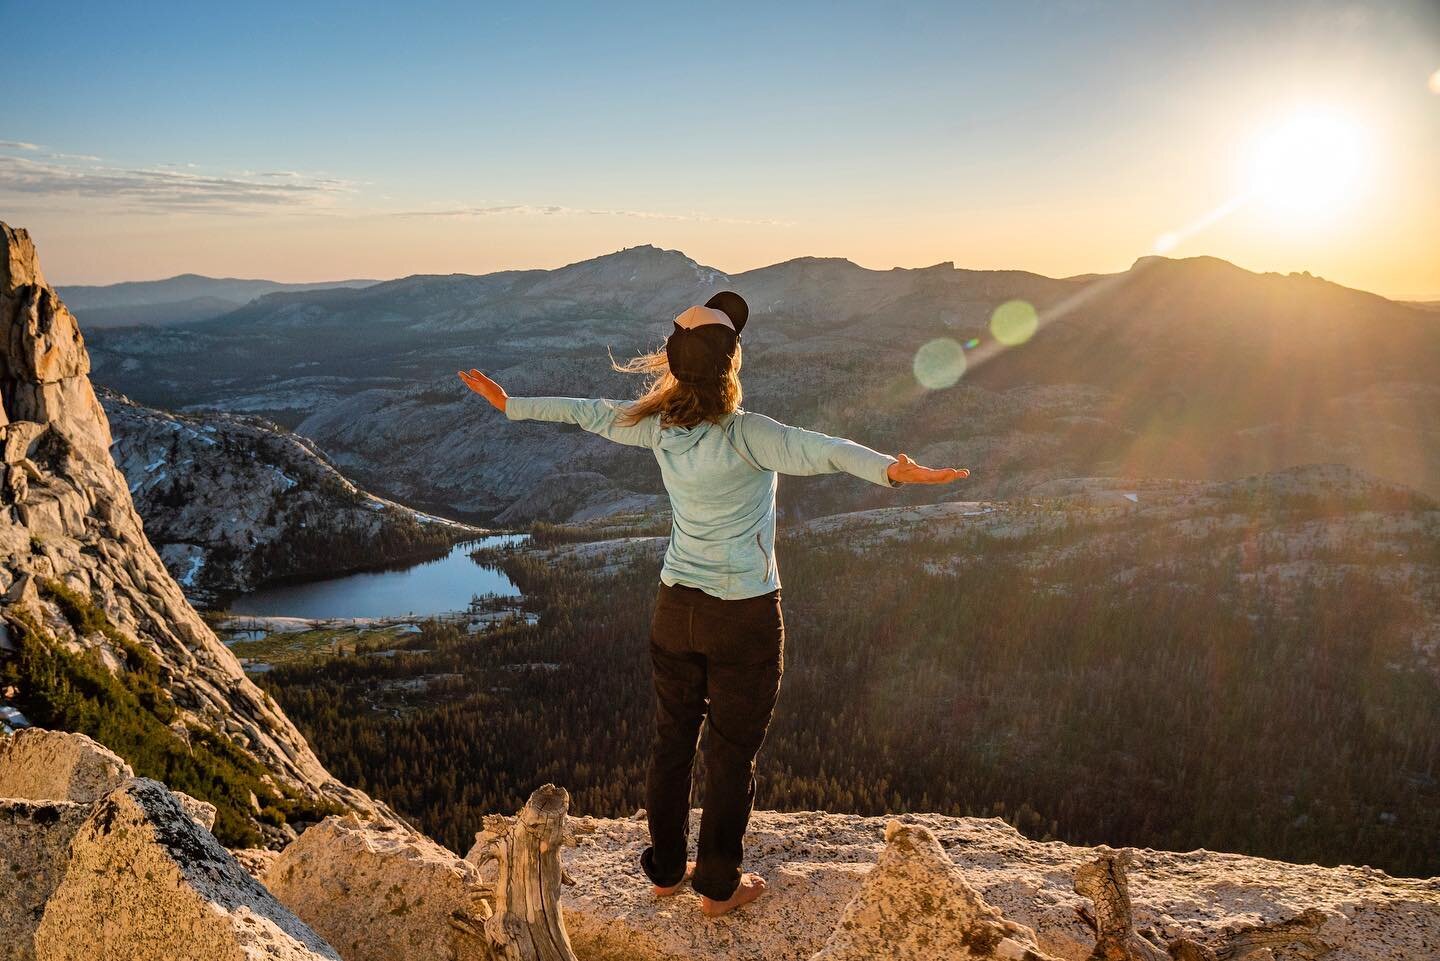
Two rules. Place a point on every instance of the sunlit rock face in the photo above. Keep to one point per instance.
(96, 863)
(56, 766)
(145, 882)
(342, 875)
(132, 874)
(68, 526)
(915, 904)
(35, 836)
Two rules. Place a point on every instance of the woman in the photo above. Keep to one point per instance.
(717, 637)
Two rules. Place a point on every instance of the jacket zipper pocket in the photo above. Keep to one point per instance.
(766, 554)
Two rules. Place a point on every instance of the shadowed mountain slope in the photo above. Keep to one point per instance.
(1179, 368)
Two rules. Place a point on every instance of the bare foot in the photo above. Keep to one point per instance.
(751, 887)
(666, 892)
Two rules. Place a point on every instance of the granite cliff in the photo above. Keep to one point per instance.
(98, 635)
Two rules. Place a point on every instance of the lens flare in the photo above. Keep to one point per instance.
(1435, 82)
(1014, 322)
(1167, 242)
(939, 363)
(972, 343)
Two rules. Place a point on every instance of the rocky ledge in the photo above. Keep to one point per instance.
(96, 860)
(829, 870)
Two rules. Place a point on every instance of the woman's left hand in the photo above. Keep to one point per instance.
(485, 387)
(906, 471)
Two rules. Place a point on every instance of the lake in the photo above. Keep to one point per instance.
(429, 587)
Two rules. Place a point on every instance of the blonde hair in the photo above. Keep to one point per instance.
(677, 403)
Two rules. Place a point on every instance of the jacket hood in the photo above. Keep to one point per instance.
(678, 440)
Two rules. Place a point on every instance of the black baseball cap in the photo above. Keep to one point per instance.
(700, 348)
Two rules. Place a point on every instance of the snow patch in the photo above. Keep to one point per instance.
(187, 579)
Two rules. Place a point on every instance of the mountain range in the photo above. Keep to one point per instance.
(175, 300)
(1190, 369)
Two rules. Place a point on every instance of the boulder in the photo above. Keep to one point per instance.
(146, 883)
(35, 841)
(380, 893)
(915, 905)
(201, 812)
(59, 766)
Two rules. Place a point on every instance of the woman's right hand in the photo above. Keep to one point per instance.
(906, 471)
(485, 387)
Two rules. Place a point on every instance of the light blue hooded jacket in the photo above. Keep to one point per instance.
(721, 478)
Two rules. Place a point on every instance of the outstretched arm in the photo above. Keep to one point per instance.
(596, 416)
(795, 450)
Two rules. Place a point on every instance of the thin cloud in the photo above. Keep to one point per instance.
(556, 210)
(161, 188)
(182, 187)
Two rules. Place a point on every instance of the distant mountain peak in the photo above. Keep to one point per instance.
(803, 263)
(1151, 260)
(643, 252)
(645, 265)
(1205, 269)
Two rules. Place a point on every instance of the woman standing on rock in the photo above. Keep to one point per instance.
(717, 637)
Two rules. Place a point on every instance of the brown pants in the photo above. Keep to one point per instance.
(719, 663)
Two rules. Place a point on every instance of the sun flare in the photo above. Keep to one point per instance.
(1313, 164)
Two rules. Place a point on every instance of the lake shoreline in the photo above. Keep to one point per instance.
(219, 603)
(447, 583)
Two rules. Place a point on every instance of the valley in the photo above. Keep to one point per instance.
(1116, 594)
(1086, 666)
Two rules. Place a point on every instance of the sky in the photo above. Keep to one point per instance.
(309, 141)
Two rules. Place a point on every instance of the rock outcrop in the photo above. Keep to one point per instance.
(378, 893)
(232, 501)
(133, 875)
(97, 863)
(144, 882)
(343, 875)
(915, 905)
(56, 766)
(201, 812)
(82, 586)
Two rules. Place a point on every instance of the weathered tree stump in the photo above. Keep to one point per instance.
(1104, 882)
(526, 923)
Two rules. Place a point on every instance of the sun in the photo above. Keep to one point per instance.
(1311, 165)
